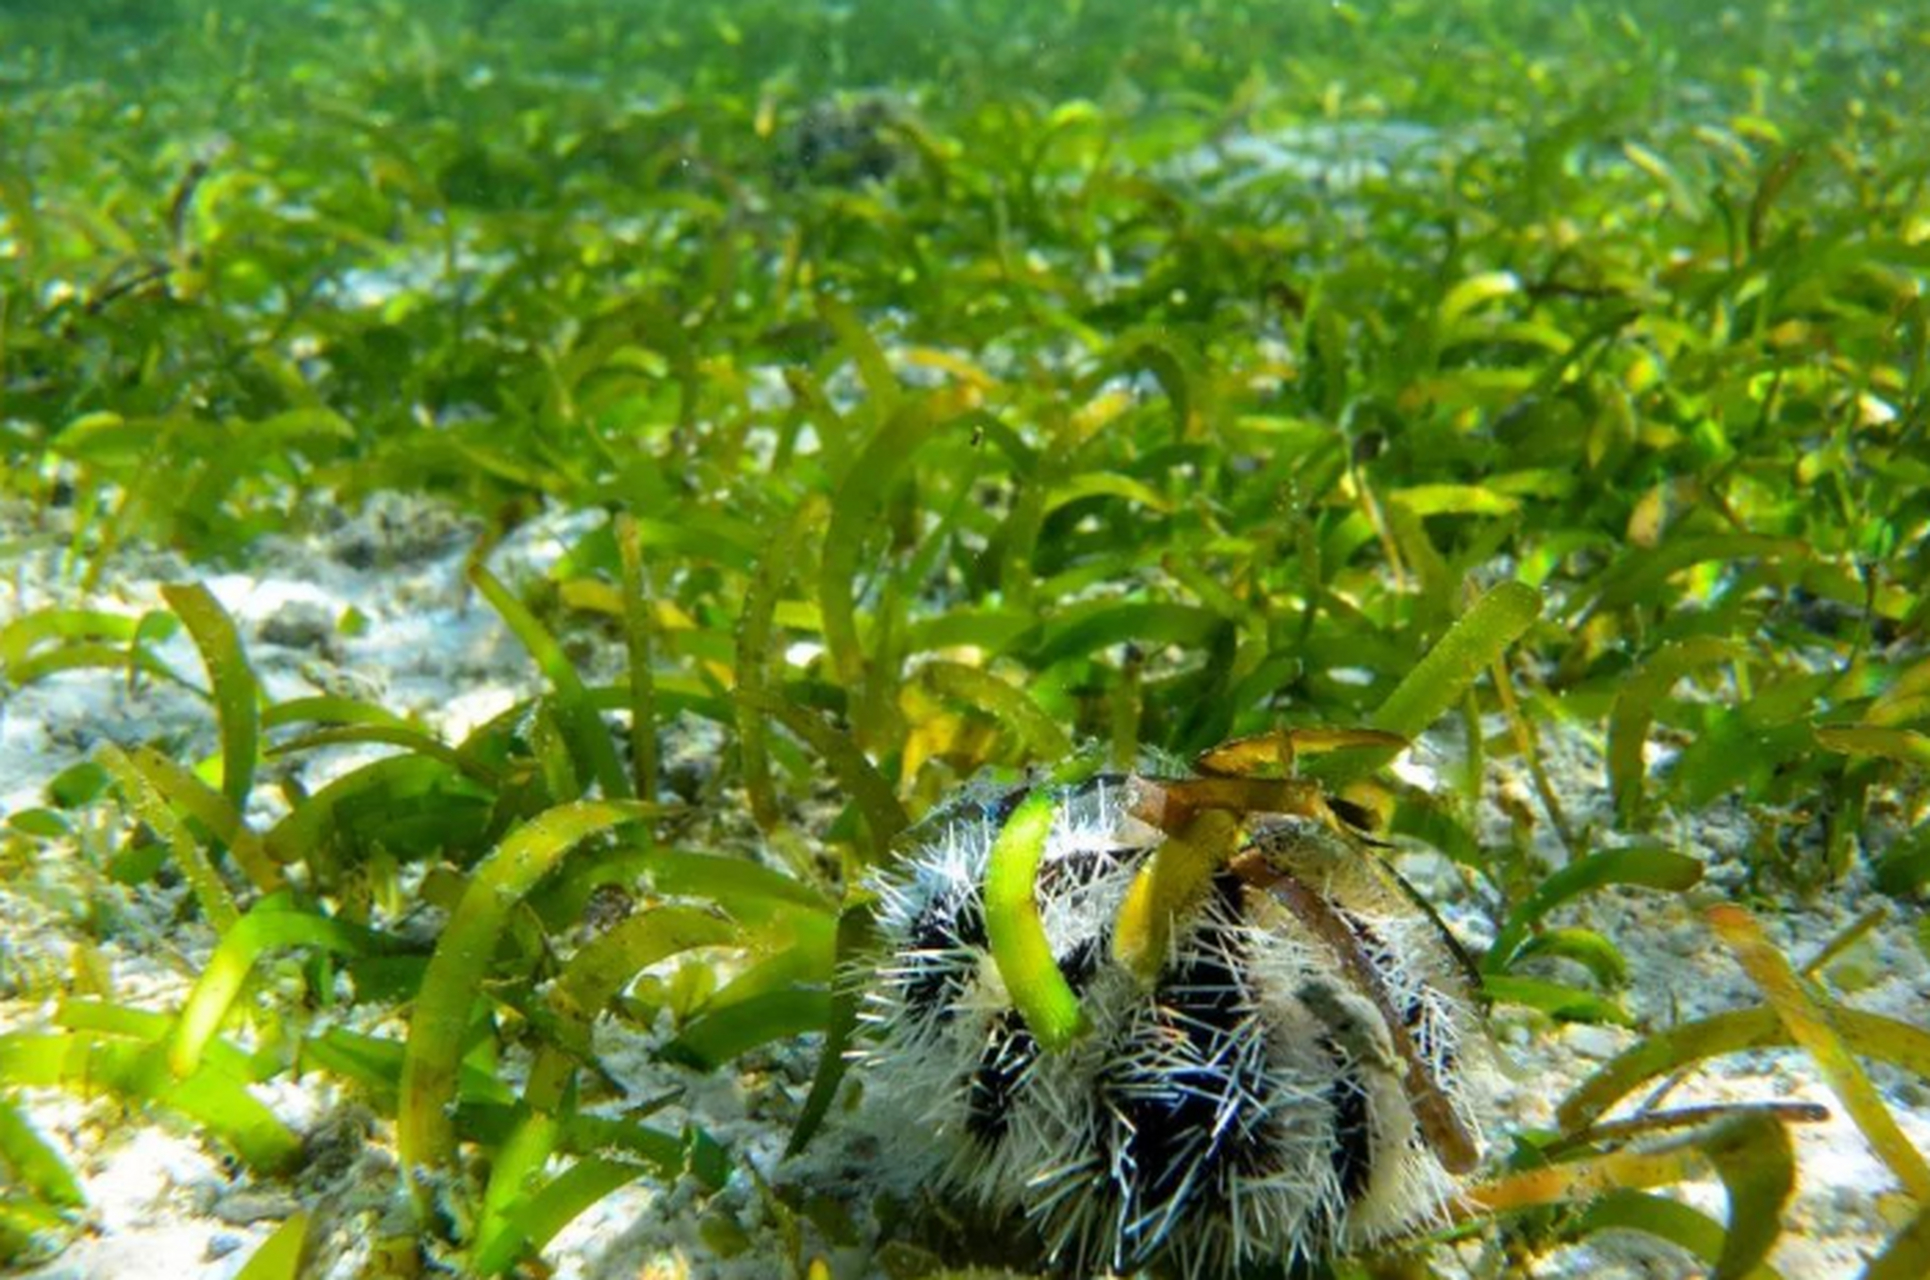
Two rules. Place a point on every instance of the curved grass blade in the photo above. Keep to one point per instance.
(884, 816)
(803, 949)
(1809, 1026)
(515, 1169)
(1906, 700)
(1753, 1157)
(1149, 624)
(153, 809)
(271, 924)
(1043, 740)
(1643, 1124)
(1581, 1180)
(237, 697)
(1628, 723)
(855, 934)
(144, 1025)
(638, 628)
(992, 630)
(30, 1163)
(873, 368)
(535, 1222)
(327, 709)
(375, 1064)
(1199, 841)
(384, 786)
(668, 1155)
(26, 633)
(717, 1037)
(1016, 934)
(1905, 746)
(677, 692)
(1474, 292)
(1751, 1154)
(1177, 368)
(1470, 646)
(280, 1255)
(1639, 576)
(1556, 999)
(1867, 1035)
(1585, 947)
(396, 735)
(183, 789)
(79, 654)
(1643, 865)
(1528, 746)
(814, 406)
(1438, 680)
(589, 738)
(599, 972)
(1845, 938)
(854, 513)
(79, 638)
(31, 1230)
(754, 663)
(425, 1132)
(1112, 484)
(1907, 1256)
(1688, 1229)
(748, 891)
(220, 1104)
(701, 532)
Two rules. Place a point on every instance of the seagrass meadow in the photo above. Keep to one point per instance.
(520, 519)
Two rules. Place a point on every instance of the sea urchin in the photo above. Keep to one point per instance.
(1300, 1075)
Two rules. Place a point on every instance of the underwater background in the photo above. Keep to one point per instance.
(512, 512)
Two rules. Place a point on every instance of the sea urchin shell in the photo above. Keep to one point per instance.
(1299, 1077)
